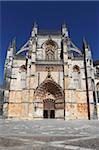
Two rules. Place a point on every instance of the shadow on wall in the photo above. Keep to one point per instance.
(1, 101)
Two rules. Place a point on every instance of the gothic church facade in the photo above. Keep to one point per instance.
(46, 78)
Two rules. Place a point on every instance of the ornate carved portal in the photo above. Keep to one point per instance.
(50, 96)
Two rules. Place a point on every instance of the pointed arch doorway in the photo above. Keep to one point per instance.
(50, 99)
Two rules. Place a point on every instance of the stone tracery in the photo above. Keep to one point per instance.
(50, 46)
(49, 88)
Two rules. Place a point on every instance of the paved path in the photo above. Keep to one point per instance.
(49, 135)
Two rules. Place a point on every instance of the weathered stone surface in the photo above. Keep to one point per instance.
(14, 110)
(15, 96)
(49, 71)
(76, 111)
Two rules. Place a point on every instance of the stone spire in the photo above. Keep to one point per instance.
(87, 49)
(11, 49)
(9, 46)
(65, 30)
(14, 45)
(34, 30)
(35, 24)
(85, 45)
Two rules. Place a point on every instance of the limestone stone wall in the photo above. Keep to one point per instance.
(20, 102)
(76, 111)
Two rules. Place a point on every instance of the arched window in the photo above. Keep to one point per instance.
(76, 77)
(50, 46)
(23, 76)
(50, 54)
(97, 88)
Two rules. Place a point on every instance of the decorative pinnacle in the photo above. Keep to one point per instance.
(12, 44)
(65, 32)
(49, 37)
(85, 45)
(9, 45)
(35, 25)
(49, 71)
(64, 25)
(14, 41)
(89, 47)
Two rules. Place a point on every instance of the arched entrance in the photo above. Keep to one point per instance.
(49, 99)
(48, 108)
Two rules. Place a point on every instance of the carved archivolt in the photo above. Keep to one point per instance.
(50, 43)
(49, 89)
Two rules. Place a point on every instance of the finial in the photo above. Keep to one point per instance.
(85, 43)
(14, 41)
(49, 74)
(49, 71)
(9, 45)
(89, 47)
(64, 25)
(14, 45)
(49, 37)
(35, 24)
(34, 30)
(65, 30)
